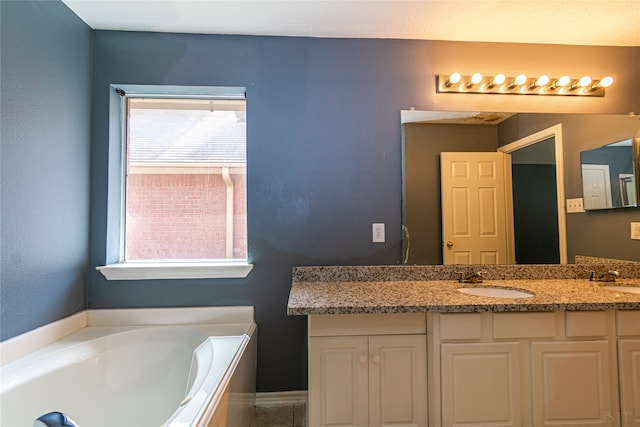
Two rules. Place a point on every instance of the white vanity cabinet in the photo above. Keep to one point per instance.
(628, 330)
(367, 370)
(523, 369)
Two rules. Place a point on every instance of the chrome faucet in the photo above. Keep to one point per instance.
(475, 277)
(54, 419)
(609, 276)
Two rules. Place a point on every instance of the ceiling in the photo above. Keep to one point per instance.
(573, 22)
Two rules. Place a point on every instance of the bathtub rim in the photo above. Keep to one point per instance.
(206, 410)
(93, 341)
(29, 342)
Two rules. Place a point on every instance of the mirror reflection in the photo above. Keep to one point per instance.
(609, 176)
(536, 178)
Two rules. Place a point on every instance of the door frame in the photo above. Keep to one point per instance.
(556, 133)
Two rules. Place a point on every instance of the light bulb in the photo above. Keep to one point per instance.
(454, 78)
(561, 82)
(606, 81)
(584, 81)
(498, 79)
(475, 79)
(543, 80)
(520, 79)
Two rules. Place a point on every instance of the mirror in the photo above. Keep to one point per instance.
(425, 134)
(610, 175)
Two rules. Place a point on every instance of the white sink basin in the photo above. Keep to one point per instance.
(632, 289)
(487, 291)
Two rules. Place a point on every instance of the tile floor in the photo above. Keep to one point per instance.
(281, 416)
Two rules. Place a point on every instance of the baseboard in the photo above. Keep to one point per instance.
(281, 398)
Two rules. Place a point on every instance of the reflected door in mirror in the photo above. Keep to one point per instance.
(475, 229)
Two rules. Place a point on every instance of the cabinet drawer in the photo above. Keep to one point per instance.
(585, 323)
(461, 326)
(628, 323)
(524, 325)
(367, 324)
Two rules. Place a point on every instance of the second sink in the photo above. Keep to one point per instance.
(495, 292)
(632, 289)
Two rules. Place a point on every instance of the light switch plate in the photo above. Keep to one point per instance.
(575, 205)
(635, 231)
(378, 233)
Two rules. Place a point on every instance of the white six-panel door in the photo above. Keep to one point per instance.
(476, 208)
(596, 186)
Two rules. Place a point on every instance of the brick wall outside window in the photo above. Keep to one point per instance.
(182, 216)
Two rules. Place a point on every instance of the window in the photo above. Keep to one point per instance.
(183, 186)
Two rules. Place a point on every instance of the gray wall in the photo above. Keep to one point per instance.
(594, 233)
(422, 207)
(323, 150)
(46, 71)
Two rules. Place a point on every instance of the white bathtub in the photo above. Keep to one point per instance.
(200, 374)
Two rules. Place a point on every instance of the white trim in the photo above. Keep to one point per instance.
(14, 348)
(176, 270)
(281, 398)
(555, 132)
(171, 316)
(149, 168)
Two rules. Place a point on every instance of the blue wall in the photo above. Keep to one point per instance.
(324, 163)
(46, 103)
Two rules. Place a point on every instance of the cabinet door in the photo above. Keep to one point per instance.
(398, 380)
(480, 384)
(338, 383)
(629, 354)
(571, 384)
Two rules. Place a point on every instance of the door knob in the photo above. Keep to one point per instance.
(449, 244)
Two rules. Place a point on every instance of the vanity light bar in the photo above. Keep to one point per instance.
(522, 85)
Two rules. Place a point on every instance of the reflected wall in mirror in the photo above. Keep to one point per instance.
(610, 175)
(426, 134)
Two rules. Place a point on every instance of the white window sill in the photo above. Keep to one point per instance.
(176, 270)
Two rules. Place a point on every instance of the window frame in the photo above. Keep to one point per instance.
(121, 269)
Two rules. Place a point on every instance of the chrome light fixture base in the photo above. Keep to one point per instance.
(509, 86)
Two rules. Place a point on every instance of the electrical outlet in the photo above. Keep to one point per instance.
(635, 231)
(378, 232)
(575, 205)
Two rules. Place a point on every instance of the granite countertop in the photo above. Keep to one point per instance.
(411, 296)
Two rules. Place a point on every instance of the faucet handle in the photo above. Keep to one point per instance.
(609, 276)
(474, 277)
